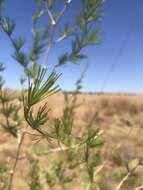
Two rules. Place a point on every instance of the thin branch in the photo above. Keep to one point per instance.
(126, 177)
(54, 23)
(33, 134)
(123, 181)
(62, 11)
(57, 150)
(99, 169)
(97, 187)
(12, 172)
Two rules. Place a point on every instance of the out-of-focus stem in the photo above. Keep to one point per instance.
(12, 173)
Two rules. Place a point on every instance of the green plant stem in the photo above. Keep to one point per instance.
(88, 186)
(67, 148)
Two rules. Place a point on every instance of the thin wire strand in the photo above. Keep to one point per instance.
(116, 60)
(118, 56)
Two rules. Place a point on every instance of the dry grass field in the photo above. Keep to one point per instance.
(121, 119)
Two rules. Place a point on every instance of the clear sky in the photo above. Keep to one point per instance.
(116, 65)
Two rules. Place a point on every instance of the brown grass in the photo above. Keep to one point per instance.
(121, 118)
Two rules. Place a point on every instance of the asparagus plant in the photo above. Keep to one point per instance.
(38, 87)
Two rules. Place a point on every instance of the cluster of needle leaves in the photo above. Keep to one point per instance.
(37, 92)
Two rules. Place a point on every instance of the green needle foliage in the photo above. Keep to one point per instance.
(37, 92)
(9, 110)
(34, 177)
(3, 176)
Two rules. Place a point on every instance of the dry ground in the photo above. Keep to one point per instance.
(121, 118)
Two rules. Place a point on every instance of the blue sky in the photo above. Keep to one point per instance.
(116, 65)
